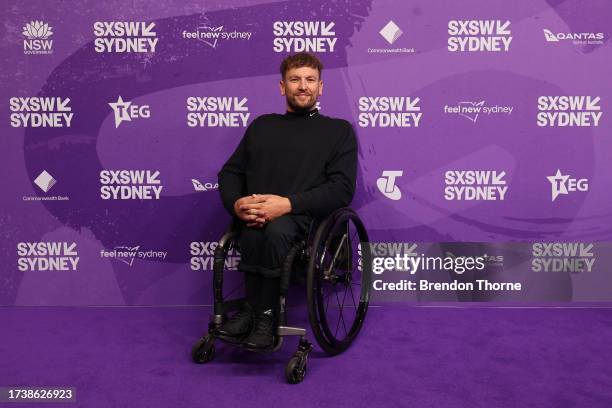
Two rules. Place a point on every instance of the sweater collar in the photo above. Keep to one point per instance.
(302, 114)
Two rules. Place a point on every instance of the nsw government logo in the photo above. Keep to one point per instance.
(568, 111)
(47, 256)
(389, 111)
(582, 38)
(561, 184)
(475, 185)
(309, 36)
(45, 182)
(479, 36)
(37, 40)
(127, 254)
(40, 111)
(471, 110)
(130, 185)
(203, 256)
(214, 36)
(391, 33)
(576, 257)
(126, 111)
(217, 111)
(124, 37)
(386, 184)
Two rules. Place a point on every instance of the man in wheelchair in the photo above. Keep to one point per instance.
(286, 170)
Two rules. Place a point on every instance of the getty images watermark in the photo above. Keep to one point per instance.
(405, 261)
(405, 258)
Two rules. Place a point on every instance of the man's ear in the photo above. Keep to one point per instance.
(321, 88)
(281, 85)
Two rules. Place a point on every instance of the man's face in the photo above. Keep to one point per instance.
(302, 87)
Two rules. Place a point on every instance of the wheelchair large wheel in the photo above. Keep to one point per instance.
(338, 282)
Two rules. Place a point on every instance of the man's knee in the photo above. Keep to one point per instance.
(281, 230)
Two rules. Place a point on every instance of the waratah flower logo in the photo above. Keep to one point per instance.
(37, 30)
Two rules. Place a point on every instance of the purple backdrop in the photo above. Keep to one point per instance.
(496, 108)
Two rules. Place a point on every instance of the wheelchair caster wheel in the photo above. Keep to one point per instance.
(295, 370)
(204, 350)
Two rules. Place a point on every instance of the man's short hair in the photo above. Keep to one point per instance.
(301, 59)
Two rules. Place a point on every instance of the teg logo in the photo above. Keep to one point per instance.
(562, 257)
(309, 36)
(562, 111)
(37, 41)
(389, 111)
(203, 256)
(386, 184)
(475, 185)
(126, 111)
(561, 184)
(38, 111)
(479, 36)
(130, 185)
(217, 111)
(124, 36)
(47, 256)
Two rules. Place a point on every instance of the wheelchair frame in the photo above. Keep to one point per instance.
(306, 249)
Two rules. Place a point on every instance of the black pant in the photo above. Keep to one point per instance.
(263, 251)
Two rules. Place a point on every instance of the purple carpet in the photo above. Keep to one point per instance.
(406, 356)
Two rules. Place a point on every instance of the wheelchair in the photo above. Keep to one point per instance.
(338, 281)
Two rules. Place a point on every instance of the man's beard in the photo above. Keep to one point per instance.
(300, 108)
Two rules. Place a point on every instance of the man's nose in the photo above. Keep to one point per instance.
(303, 84)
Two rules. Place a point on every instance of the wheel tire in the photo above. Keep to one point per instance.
(293, 374)
(203, 351)
(317, 312)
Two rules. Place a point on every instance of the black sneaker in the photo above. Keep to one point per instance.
(238, 325)
(262, 335)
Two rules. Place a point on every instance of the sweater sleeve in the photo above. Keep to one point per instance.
(232, 176)
(338, 190)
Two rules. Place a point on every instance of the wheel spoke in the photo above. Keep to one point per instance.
(342, 310)
(338, 324)
(327, 305)
(352, 296)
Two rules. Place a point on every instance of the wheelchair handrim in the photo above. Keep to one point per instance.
(325, 335)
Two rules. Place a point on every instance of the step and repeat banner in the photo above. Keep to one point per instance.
(483, 130)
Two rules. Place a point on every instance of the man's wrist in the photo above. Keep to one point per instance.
(288, 205)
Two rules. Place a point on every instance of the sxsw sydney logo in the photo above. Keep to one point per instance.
(47, 256)
(40, 111)
(389, 111)
(37, 40)
(308, 36)
(125, 37)
(127, 254)
(574, 257)
(203, 256)
(569, 111)
(130, 185)
(214, 36)
(582, 38)
(217, 111)
(479, 35)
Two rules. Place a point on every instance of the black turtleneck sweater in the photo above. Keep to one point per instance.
(304, 156)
